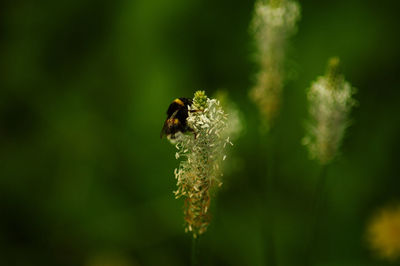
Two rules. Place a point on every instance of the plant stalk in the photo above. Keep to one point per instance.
(269, 197)
(195, 251)
(316, 213)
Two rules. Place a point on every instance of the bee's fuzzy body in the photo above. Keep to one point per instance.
(177, 114)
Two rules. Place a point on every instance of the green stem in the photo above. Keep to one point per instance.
(195, 251)
(269, 197)
(316, 211)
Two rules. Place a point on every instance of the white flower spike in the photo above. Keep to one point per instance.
(330, 99)
(274, 22)
(201, 154)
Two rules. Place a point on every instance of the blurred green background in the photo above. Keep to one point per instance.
(86, 180)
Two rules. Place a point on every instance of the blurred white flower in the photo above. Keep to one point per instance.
(235, 120)
(330, 102)
(274, 22)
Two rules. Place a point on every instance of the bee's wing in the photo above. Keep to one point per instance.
(164, 129)
(166, 125)
(174, 114)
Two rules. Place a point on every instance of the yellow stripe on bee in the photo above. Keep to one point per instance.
(179, 101)
(176, 121)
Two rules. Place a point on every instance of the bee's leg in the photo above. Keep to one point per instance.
(171, 136)
(195, 111)
(192, 130)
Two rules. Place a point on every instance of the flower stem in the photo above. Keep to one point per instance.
(195, 251)
(316, 213)
(268, 148)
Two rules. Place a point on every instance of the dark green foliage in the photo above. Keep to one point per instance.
(85, 177)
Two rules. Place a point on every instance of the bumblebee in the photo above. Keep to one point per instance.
(177, 114)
